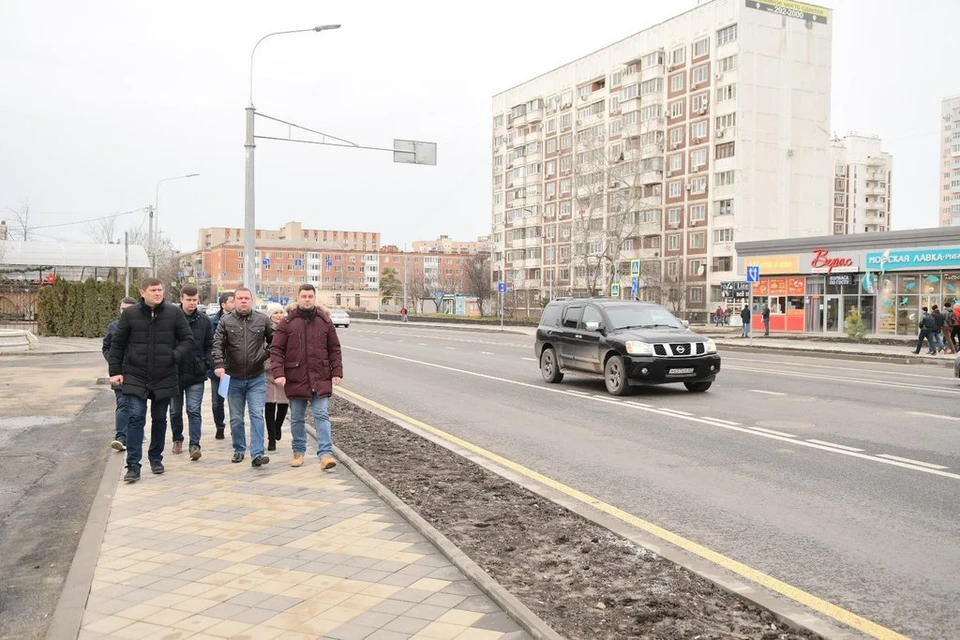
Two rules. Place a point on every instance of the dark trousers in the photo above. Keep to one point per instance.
(926, 333)
(955, 336)
(158, 429)
(274, 413)
(216, 401)
(122, 414)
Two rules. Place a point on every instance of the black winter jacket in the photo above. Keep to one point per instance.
(108, 339)
(241, 344)
(193, 370)
(147, 347)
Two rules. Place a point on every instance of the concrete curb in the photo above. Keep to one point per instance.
(68, 614)
(835, 355)
(788, 612)
(527, 619)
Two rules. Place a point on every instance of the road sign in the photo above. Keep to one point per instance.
(201, 274)
(634, 285)
(298, 262)
(223, 275)
(414, 152)
(192, 280)
(438, 295)
(614, 289)
(635, 268)
(266, 262)
(329, 263)
(502, 287)
(753, 274)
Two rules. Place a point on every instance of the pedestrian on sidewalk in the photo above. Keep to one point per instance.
(718, 317)
(949, 327)
(403, 314)
(927, 326)
(277, 403)
(121, 415)
(151, 338)
(216, 400)
(765, 315)
(240, 350)
(745, 319)
(939, 322)
(955, 334)
(192, 374)
(307, 362)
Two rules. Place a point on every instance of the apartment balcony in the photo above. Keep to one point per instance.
(874, 205)
(875, 176)
(653, 176)
(874, 161)
(533, 178)
(534, 115)
(655, 71)
(519, 140)
(875, 191)
(955, 188)
(527, 243)
(534, 156)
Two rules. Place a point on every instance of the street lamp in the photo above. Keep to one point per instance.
(154, 216)
(249, 213)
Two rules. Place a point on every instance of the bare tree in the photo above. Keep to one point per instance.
(674, 287)
(19, 226)
(103, 230)
(477, 279)
(417, 288)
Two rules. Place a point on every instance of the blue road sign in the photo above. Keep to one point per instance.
(329, 263)
(438, 295)
(634, 268)
(502, 287)
(201, 274)
(298, 262)
(634, 285)
(223, 275)
(266, 262)
(753, 274)
(615, 290)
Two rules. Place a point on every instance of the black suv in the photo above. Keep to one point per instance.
(630, 343)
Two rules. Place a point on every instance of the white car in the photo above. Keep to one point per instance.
(340, 318)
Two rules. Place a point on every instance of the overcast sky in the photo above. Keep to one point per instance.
(99, 100)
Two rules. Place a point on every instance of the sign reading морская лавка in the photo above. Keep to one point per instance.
(913, 259)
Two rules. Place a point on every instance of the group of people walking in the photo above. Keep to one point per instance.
(163, 354)
(941, 329)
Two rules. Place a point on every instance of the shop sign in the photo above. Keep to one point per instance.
(774, 265)
(913, 259)
(823, 261)
(736, 289)
(841, 279)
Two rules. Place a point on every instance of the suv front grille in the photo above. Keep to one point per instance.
(679, 349)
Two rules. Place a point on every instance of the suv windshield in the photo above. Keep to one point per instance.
(642, 316)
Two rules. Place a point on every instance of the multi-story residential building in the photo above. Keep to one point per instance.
(667, 146)
(950, 162)
(862, 185)
(293, 235)
(444, 244)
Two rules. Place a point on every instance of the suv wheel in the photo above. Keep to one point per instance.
(697, 387)
(615, 376)
(549, 368)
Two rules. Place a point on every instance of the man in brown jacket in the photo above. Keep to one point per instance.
(306, 361)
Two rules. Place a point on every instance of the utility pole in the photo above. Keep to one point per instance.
(151, 253)
(405, 260)
(379, 299)
(126, 264)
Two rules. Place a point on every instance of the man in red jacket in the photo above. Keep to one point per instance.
(306, 361)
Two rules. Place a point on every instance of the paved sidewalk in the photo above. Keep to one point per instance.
(212, 549)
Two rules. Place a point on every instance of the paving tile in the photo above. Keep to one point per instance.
(426, 611)
(498, 621)
(445, 600)
(374, 619)
(254, 615)
(248, 598)
(399, 579)
(278, 603)
(350, 631)
(371, 575)
(462, 587)
(383, 634)
(394, 607)
(480, 604)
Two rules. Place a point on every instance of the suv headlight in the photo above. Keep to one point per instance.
(638, 348)
(711, 346)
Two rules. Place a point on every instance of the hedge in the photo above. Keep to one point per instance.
(78, 309)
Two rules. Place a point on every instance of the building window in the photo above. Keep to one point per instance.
(839, 198)
(725, 150)
(552, 145)
(676, 108)
(698, 240)
(696, 267)
(566, 121)
(726, 120)
(676, 136)
(726, 92)
(673, 215)
(698, 158)
(698, 212)
(696, 294)
(723, 178)
(839, 214)
(616, 78)
(723, 235)
(565, 186)
(676, 82)
(698, 130)
(675, 189)
(673, 242)
(722, 263)
(700, 75)
(699, 102)
(701, 47)
(566, 141)
(676, 162)
(727, 64)
(727, 34)
(672, 268)
(653, 59)
(678, 55)
(840, 170)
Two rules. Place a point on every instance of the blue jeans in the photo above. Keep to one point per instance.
(122, 414)
(938, 338)
(194, 396)
(137, 407)
(925, 333)
(252, 394)
(321, 420)
(216, 401)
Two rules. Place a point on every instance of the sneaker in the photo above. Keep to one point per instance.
(194, 452)
(219, 435)
(327, 463)
(119, 444)
(259, 460)
(178, 446)
(156, 466)
(237, 457)
(132, 475)
(272, 445)
(297, 460)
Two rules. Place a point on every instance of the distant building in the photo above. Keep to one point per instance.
(950, 162)
(444, 244)
(862, 185)
(292, 235)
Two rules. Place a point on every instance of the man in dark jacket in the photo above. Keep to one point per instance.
(306, 361)
(939, 321)
(240, 351)
(745, 319)
(928, 325)
(192, 373)
(216, 400)
(122, 416)
(151, 339)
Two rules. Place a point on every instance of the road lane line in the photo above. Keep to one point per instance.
(676, 411)
(832, 367)
(825, 378)
(776, 433)
(721, 421)
(452, 348)
(769, 393)
(529, 359)
(797, 595)
(910, 461)
(421, 344)
(933, 415)
(486, 353)
(833, 444)
(640, 404)
(649, 409)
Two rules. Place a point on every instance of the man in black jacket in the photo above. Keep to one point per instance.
(216, 400)
(192, 373)
(151, 339)
(121, 415)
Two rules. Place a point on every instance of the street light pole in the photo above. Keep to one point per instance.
(249, 203)
(153, 229)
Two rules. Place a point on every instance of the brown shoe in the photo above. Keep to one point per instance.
(327, 463)
(297, 460)
(178, 446)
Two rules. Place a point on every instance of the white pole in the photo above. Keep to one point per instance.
(126, 264)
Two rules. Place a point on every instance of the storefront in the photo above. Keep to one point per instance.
(812, 284)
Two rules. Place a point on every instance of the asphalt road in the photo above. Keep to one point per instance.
(840, 478)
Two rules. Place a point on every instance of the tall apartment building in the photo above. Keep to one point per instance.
(950, 162)
(667, 146)
(444, 244)
(862, 184)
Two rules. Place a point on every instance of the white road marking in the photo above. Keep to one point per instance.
(421, 344)
(486, 353)
(776, 433)
(847, 380)
(553, 389)
(910, 461)
(730, 422)
(452, 348)
(832, 444)
(676, 411)
(833, 367)
(769, 393)
(530, 359)
(639, 404)
(934, 415)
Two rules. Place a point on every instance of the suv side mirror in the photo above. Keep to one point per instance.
(686, 324)
(592, 326)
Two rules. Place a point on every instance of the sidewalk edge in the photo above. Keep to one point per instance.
(68, 615)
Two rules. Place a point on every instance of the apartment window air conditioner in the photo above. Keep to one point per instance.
(719, 133)
(702, 111)
(676, 145)
(693, 85)
(565, 105)
(719, 76)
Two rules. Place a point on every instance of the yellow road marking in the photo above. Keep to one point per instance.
(798, 595)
